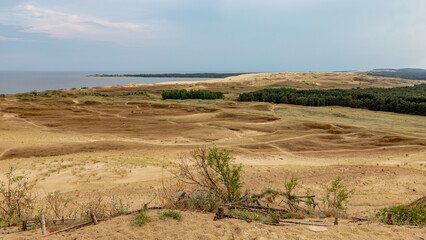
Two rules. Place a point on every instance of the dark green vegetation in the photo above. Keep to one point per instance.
(403, 215)
(171, 214)
(141, 218)
(191, 94)
(409, 100)
(407, 73)
(172, 75)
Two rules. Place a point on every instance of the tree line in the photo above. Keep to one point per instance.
(191, 94)
(409, 100)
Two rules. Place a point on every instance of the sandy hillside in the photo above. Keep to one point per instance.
(115, 146)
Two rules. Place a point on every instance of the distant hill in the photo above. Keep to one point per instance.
(407, 73)
(172, 75)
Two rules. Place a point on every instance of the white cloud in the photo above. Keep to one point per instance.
(63, 25)
(3, 38)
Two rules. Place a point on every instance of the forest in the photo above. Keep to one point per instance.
(408, 100)
(191, 94)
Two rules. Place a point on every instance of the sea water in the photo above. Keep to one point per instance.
(20, 82)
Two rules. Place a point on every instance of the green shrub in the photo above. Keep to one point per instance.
(171, 214)
(337, 197)
(212, 170)
(137, 93)
(403, 215)
(2, 96)
(204, 200)
(17, 197)
(141, 218)
(290, 187)
(220, 160)
(191, 94)
(245, 214)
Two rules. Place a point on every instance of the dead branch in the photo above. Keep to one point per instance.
(66, 229)
(303, 223)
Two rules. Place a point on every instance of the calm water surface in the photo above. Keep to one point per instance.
(19, 82)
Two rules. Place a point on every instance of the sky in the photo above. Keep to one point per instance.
(211, 35)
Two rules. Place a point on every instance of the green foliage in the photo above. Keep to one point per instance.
(403, 215)
(409, 100)
(57, 203)
(171, 214)
(293, 215)
(16, 197)
(220, 161)
(137, 93)
(204, 200)
(337, 196)
(84, 87)
(245, 214)
(290, 187)
(141, 218)
(191, 94)
(118, 207)
(2, 96)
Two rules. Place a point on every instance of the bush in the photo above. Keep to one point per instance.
(57, 203)
(204, 200)
(337, 197)
(290, 187)
(171, 214)
(16, 197)
(141, 218)
(212, 170)
(245, 214)
(191, 94)
(403, 215)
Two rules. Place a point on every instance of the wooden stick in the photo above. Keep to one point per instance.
(390, 218)
(24, 225)
(95, 221)
(336, 221)
(257, 207)
(249, 221)
(303, 223)
(65, 229)
(43, 225)
(420, 237)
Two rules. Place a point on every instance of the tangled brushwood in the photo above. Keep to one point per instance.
(208, 178)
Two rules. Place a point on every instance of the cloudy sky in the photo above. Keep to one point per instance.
(211, 35)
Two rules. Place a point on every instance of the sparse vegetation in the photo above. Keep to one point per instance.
(403, 215)
(141, 218)
(213, 171)
(337, 197)
(17, 197)
(171, 214)
(245, 214)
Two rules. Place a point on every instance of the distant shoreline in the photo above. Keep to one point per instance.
(172, 75)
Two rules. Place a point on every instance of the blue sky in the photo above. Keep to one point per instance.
(211, 35)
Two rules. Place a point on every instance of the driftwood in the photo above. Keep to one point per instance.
(256, 207)
(249, 221)
(66, 229)
(420, 237)
(303, 223)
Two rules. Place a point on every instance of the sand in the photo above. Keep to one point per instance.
(116, 146)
